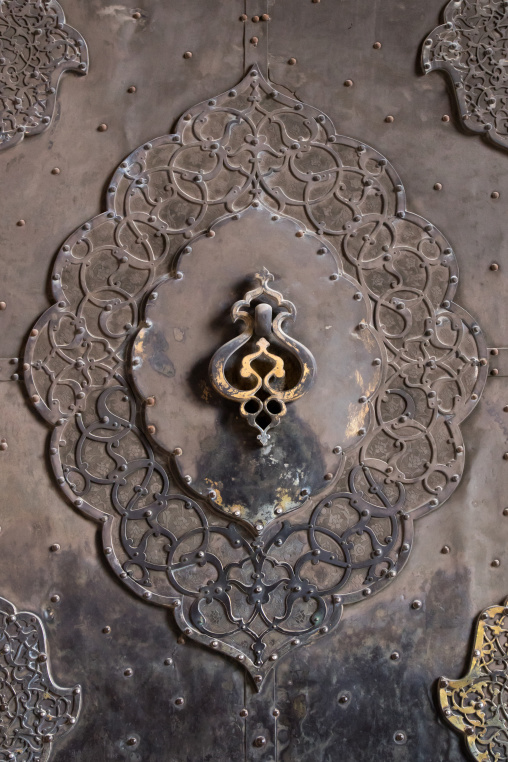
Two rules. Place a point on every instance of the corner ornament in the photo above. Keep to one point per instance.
(263, 404)
(471, 48)
(36, 47)
(34, 710)
(477, 704)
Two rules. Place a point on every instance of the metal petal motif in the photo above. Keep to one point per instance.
(34, 710)
(36, 47)
(477, 704)
(472, 48)
(254, 593)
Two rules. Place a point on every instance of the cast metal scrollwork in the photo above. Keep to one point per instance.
(36, 47)
(477, 704)
(472, 48)
(272, 384)
(34, 710)
(255, 593)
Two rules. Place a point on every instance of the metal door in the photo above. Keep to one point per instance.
(253, 425)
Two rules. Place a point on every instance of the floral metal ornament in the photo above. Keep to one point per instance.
(477, 704)
(264, 325)
(34, 711)
(192, 512)
(36, 47)
(472, 48)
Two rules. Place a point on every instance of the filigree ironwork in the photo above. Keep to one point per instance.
(477, 704)
(36, 47)
(251, 592)
(34, 710)
(271, 385)
(472, 48)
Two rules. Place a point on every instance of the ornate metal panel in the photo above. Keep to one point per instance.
(36, 47)
(324, 207)
(256, 378)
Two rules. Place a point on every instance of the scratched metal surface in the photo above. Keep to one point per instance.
(332, 42)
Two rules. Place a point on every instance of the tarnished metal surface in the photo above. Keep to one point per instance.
(477, 704)
(36, 47)
(472, 48)
(366, 690)
(34, 710)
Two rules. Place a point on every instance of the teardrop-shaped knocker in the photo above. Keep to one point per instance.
(278, 371)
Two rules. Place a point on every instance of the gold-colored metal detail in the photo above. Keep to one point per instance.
(477, 704)
(263, 404)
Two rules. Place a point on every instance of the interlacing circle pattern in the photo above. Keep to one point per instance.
(477, 704)
(472, 47)
(34, 711)
(256, 598)
(36, 47)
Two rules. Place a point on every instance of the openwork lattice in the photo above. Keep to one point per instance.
(477, 704)
(36, 47)
(472, 48)
(256, 595)
(34, 710)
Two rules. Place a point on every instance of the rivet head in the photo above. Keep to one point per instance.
(136, 15)
(328, 477)
(35, 398)
(54, 548)
(389, 118)
(494, 194)
(438, 186)
(3, 306)
(395, 656)
(150, 401)
(177, 451)
(348, 83)
(292, 61)
(151, 429)
(106, 630)
(187, 54)
(20, 223)
(445, 118)
(416, 604)
(243, 17)
(496, 562)
(179, 701)
(505, 456)
(494, 266)
(265, 17)
(445, 549)
(132, 89)
(260, 741)
(377, 46)
(399, 737)
(244, 713)
(128, 672)
(102, 127)
(55, 598)
(132, 741)
(55, 171)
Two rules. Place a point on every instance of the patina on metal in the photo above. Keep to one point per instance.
(36, 47)
(377, 277)
(471, 47)
(477, 705)
(34, 711)
(263, 403)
